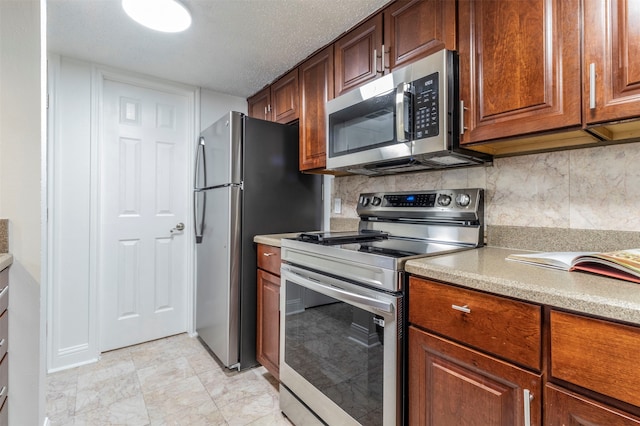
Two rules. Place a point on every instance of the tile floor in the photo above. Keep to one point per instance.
(172, 381)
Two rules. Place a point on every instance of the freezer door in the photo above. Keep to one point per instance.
(218, 276)
(219, 153)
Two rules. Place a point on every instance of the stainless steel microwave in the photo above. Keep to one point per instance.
(408, 120)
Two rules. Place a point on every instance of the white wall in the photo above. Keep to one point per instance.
(72, 321)
(22, 121)
(214, 105)
(72, 301)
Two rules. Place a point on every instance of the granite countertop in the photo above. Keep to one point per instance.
(6, 260)
(486, 269)
(273, 239)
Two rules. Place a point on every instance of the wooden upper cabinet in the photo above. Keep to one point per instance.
(278, 102)
(358, 55)
(519, 67)
(316, 88)
(611, 66)
(259, 104)
(416, 28)
(284, 98)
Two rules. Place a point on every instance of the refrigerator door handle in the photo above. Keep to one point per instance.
(224, 185)
(199, 152)
(199, 227)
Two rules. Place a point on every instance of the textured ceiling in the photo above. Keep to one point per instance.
(233, 46)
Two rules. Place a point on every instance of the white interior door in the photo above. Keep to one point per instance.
(144, 189)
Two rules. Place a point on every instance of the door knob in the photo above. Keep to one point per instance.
(178, 227)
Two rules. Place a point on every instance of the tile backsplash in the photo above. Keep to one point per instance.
(591, 188)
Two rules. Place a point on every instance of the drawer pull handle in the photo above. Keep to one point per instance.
(268, 254)
(528, 397)
(464, 308)
(3, 390)
(4, 290)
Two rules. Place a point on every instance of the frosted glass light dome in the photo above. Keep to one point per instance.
(168, 16)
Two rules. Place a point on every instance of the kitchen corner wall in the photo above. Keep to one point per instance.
(590, 188)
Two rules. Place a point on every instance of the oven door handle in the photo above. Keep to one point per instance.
(340, 294)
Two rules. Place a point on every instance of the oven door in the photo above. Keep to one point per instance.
(340, 349)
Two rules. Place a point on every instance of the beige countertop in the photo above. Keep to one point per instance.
(6, 260)
(486, 269)
(273, 239)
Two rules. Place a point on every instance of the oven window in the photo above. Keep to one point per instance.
(338, 348)
(368, 124)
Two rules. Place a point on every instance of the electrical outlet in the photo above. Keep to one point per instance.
(337, 205)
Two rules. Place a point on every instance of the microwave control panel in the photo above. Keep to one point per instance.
(426, 112)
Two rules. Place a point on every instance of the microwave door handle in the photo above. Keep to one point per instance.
(402, 112)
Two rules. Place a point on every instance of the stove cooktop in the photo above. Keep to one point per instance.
(344, 237)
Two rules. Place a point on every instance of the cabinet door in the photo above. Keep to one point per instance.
(519, 62)
(316, 88)
(451, 385)
(259, 104)
(268, 325)
(357, 55)
(566, 408)
(284, 98)
(414, 29)
(611, 67)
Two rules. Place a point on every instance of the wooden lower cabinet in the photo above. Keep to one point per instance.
(4, 343)
(268, 309)
(564, 408)
(268, 345)
(450, 384)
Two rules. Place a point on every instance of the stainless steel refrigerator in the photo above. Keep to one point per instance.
(246, 183)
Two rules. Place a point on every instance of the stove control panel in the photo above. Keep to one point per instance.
(452, 203)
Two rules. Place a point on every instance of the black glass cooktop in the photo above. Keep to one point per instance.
(346, 237)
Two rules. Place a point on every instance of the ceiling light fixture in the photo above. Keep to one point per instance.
(169, 16)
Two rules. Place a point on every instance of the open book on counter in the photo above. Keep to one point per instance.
(621, 264)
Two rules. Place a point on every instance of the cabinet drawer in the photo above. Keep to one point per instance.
(269, 258)
(4, 290)
(504, 327)
(4, 414)
(4, 380)
(4, 333)
(597, 355)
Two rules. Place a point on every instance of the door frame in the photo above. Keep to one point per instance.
(84, 348)
(100, 75)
